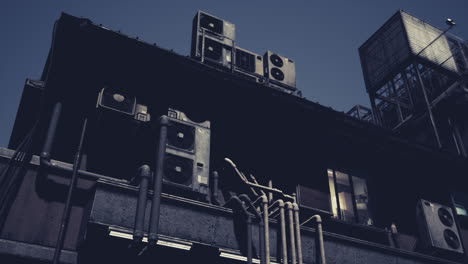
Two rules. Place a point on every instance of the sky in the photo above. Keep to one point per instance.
(322, 37)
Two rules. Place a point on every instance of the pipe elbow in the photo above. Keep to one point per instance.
(44, 159)
(318, 219)
(164, 120)
(235, 201)
(280, 203)
(244, 196)
(246, 199)
(289, 205)
(145, 171)
(295, 207)
(230, 162)
(264, 199)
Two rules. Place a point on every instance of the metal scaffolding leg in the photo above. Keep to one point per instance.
(397, 99)
(429, 110)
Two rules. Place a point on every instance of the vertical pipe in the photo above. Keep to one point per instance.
(261, 228)
(292, 240)
(298, 233)
(215, 190)
(233, 55)
(284, 249)
(267, 229)
(429, 110)
(270, 194)
(203, 46)
(156, 202)
(391, 241)
(320, 241)
(144, 173)
(261, 231)
(50, 136)
(236, 201)
(249, 239)
(67, 209)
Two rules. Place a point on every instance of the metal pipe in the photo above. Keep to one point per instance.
(85, 174)
(292, 239)
(249, 239)
(283, 232)
(391, 241)
(156, 202)
(284, 248)
(298, 233)
(255, 181)
(215, 185)
(202, 46)
(319, 239)
(261, 235)
(267, 228)
(144, 173)
(50, 136)
(67, 209)
(45, 156)
(233, 55)
(248, 222)
(261, 187)
(270, 194)
(261, 226)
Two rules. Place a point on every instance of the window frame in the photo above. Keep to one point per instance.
(339, 215)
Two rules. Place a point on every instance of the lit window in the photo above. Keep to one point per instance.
(349, 197)
(461, 210)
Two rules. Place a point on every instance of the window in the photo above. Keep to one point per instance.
(461, 210)
(461, 203)
(349, 197)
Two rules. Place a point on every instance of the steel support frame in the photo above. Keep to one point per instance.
(429, 104)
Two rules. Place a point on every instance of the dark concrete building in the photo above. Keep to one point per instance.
(110, 120)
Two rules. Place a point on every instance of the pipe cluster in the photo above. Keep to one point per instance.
(288, 224)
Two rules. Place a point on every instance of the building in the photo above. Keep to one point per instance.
(364, 181)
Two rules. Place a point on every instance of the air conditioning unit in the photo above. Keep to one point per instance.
(119, 101)
(437, 228)
(212, 39)
(249, 64)
(187, 160)
(280, 70)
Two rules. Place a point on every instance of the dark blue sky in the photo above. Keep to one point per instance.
(321, 36)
